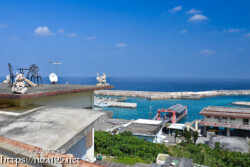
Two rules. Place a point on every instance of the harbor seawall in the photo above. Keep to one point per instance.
(171, 95)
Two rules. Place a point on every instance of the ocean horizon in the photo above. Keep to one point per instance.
(158, 84)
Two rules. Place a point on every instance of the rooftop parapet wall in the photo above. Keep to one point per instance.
(171, 95)
(48, 90)
(51, 95)
(29, 151)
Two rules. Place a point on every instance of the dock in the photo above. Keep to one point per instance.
(122, 104)
(171, 95)
(115, 102)
(242, 103)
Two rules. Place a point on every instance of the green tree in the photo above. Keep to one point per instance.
(195, 136)
(187, 135)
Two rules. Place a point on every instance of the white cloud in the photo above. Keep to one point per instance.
(233, 30)
(175, 9)
(61, 31)
(2, 26)
(72, 35)
(184, 31)
(91, 38)
(121, 45)
(193, 11)
(247, 35)
(13, 38)
(197, 17)
(206, 52)
(43, 31)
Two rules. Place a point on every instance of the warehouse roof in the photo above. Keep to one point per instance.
(226, 111)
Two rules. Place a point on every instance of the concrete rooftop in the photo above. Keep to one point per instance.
(141, 128)
(50, 128)
(47, 90)
(226, 111)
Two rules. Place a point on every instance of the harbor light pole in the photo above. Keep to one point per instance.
(150, 112)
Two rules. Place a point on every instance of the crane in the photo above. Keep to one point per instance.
(165, 111)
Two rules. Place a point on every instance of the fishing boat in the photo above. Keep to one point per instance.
(101, 104)
(173, 114)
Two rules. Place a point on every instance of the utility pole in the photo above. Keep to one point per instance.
(150, 112)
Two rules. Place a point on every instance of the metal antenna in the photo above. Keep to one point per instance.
(55, 63)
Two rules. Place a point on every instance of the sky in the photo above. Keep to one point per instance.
(130, 38)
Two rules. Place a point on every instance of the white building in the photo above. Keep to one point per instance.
(150, 130)
(233, 119)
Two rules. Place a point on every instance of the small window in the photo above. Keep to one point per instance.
(217, 117)
(224, 117)
(208, 117)
(232, 119)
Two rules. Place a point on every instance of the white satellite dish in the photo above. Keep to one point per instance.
(53, 78)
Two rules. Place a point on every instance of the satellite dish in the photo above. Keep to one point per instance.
(53, 78)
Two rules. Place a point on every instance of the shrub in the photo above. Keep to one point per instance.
(124, 144)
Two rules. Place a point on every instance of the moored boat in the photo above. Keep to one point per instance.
(173, 114)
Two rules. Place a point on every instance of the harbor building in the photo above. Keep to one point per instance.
(234, 121)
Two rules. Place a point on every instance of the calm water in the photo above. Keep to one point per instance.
(194, 106)
(166, 84)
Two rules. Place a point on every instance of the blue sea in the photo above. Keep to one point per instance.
(166, 85)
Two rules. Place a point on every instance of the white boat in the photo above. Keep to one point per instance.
(101, 104)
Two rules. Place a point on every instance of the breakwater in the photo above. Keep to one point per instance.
(122, 104)
(171, 95)
(242, 103)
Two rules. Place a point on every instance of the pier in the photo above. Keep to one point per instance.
(242, 103)
(122, 104)
(171, 95)
(114, 102)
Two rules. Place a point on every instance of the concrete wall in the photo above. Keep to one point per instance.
(80, 150)
(90, 156)
(227, 120)
(171, 95)
(74, 100)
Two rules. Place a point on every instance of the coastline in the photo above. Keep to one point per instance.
(171, 95)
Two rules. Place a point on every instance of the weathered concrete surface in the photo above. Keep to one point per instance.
(106, 125)
(50, 128)
(59, 88)
(14, 149)
(242, 103)
(171, 95)
(65, 95)
(239, 144)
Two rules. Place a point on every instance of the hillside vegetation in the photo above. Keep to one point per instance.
(127, 148)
